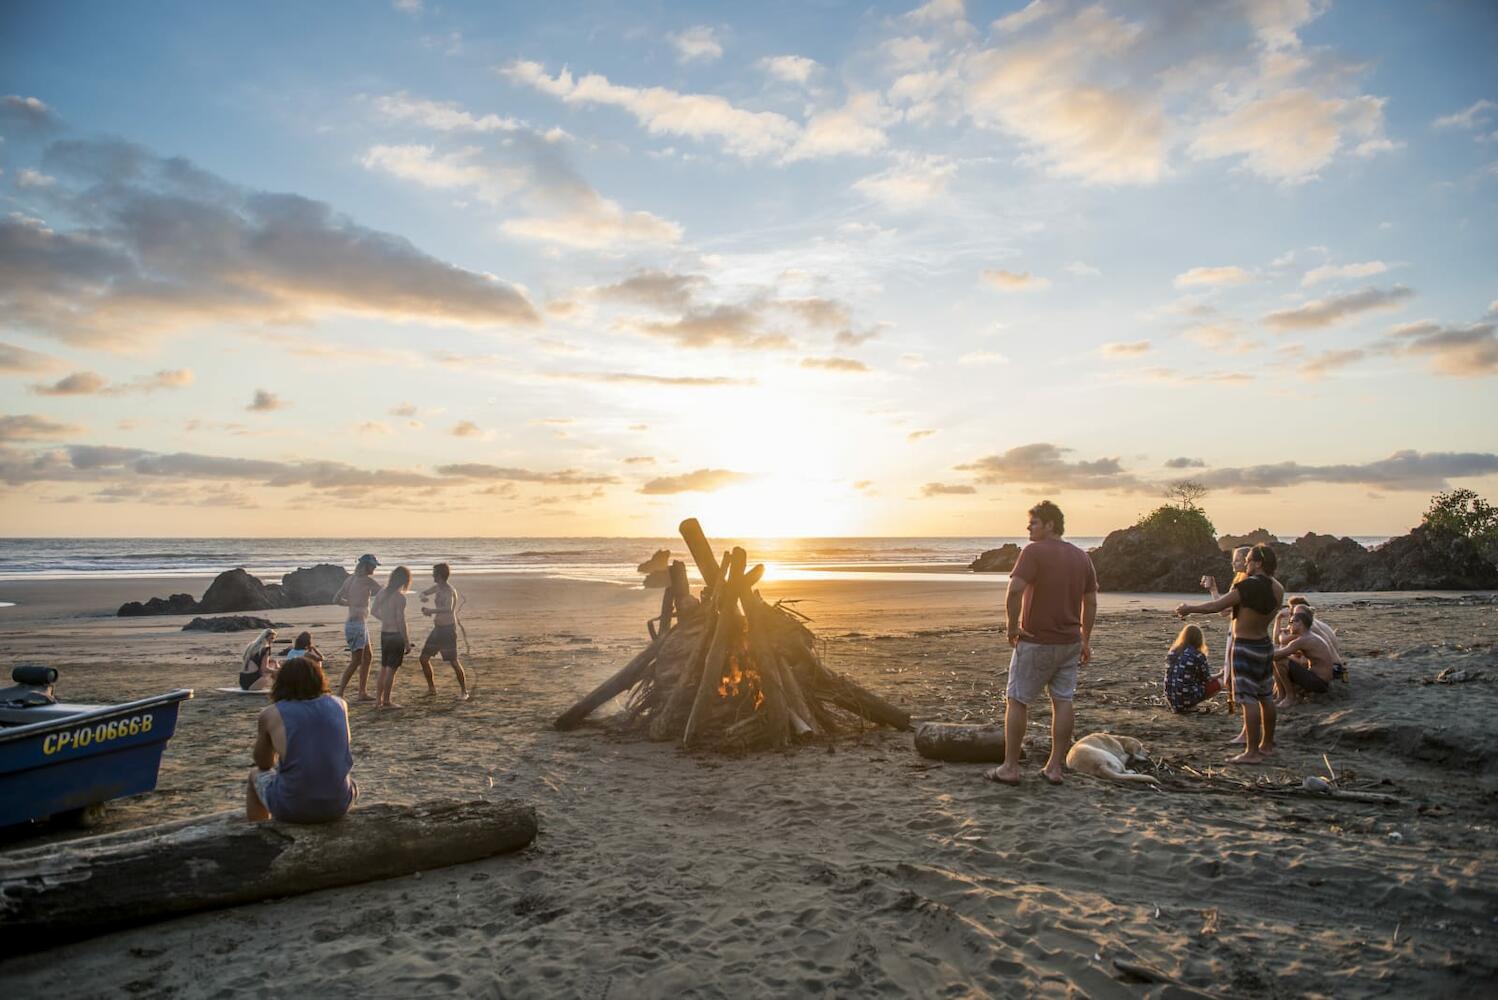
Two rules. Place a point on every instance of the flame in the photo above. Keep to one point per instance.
(741, 679)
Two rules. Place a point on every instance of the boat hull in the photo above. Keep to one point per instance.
(79, 755)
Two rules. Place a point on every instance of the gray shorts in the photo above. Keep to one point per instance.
(1036, 666)
(263, 781)
(356, 634)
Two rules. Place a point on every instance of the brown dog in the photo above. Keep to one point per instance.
(1104, 755)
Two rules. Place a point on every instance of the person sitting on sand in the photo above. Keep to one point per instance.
(303, 646)
(444, 636)
(1188, 679)
(1320, 628)
(257, 669)
(1050, 607)
(303, 764)
(390, 608)
(1305, 662)
(356, 592)
(1253, 601)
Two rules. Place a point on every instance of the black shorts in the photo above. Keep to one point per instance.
(1304, 677)
(392, 649)
(444, 640)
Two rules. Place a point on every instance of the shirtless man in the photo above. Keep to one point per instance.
(444, 636)
(1305, 662)
(356, 592)
(1319, 628)
(1254, 600)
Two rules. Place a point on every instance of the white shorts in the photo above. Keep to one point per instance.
(1036, 666)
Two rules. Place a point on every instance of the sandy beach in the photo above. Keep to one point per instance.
(856, 868)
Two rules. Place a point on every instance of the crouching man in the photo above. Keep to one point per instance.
(303, 764)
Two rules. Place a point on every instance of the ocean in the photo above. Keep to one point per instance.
(611, 560)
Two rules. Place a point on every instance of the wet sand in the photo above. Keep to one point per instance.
(856, 868)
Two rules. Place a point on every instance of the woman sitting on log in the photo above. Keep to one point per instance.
(306, 730)
(257, 669)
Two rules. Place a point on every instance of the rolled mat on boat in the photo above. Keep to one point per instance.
(80, 888)
(960, 742)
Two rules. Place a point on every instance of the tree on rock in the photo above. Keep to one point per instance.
(1185, 493)
(1464, 513)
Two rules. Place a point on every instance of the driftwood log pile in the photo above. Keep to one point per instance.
(77, 889)
(730, 671)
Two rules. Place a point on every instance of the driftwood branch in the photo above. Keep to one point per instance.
(77, 889)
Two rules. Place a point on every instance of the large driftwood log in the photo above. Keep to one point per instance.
(957, 742)
(622, 681)
(702, 552)
(85, 887)
(854, 697)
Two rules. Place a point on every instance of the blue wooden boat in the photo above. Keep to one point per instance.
(57, 758)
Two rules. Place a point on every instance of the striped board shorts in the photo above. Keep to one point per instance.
(1253, 669)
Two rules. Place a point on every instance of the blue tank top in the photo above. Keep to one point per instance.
(312, 779)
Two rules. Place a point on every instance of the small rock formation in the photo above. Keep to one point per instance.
(1428, 559)
(237, 590)
(1323, 562)
(1165, 553)
(232, 623)
(1259, 536)
(999, 560)
(658, 579)
(316, 585)
(177, 604)
(658, 563)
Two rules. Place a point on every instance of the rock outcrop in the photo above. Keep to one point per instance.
(1428, 559)
(236, 590)
(1259, 536)
(999, 560)
(1168, 552)
(177, 604)
(317, 585)
(658, 563)
(232, 623)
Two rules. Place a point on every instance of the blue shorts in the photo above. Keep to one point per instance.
(356, 634)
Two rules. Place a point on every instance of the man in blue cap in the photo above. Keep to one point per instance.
(356, 592)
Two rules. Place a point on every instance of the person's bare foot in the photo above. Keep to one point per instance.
(1003, 774)
(1052, 777)
(1247, 757)
(464, 696)
(431, 692)
(365, 697)
(1241, 740)
(1266, 749)
(388, 704)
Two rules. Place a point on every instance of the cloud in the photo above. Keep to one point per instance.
(1471, 117)
(700, 481)
(1081, 269)
(34, 179)
(636, 378)
(91, 383)
(660, 289)
(457, 170)
(916, 361)
(19, 359)
(698, 44)
(911, 182)
(465, 429)
(945, 489)
(852, 130)
(407, 410)
(1053, 94)
(1131, 349)
(938, 12)
(499, 473)
(1185, 463)
(717, 326)
(373, 427)
(1291, 134)
(596, 224)
(26, 116)
(30, 427)
(818, 312)
(1320, 313)
(639, 460)
(744, 133)
(1032, 12)
(1403, 470)
(170, 247)
(789, 69)
(835, 364)
(441, 116)
(1044, 465)
(1015, 281)
(1212, 276)
(848, 338)
(982, 358)
(1328, 272)
(919, 435)
(1467, 352)
(1174, 377)
(1330, 361)
(265, 402)
(1223, 339)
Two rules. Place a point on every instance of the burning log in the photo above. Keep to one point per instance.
(732, 672)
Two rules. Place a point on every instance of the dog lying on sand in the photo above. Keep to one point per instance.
(1104, 755)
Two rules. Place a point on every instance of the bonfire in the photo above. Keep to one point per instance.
(729, 671)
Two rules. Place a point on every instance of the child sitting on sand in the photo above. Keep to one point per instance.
(1188, 681)
(303, 647)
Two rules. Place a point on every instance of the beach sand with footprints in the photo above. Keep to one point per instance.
(853, 867)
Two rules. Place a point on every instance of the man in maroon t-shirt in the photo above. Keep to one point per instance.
(1051, 605)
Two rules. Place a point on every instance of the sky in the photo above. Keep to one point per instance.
(446, 269)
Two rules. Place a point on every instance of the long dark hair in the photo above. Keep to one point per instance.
(301, 679)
